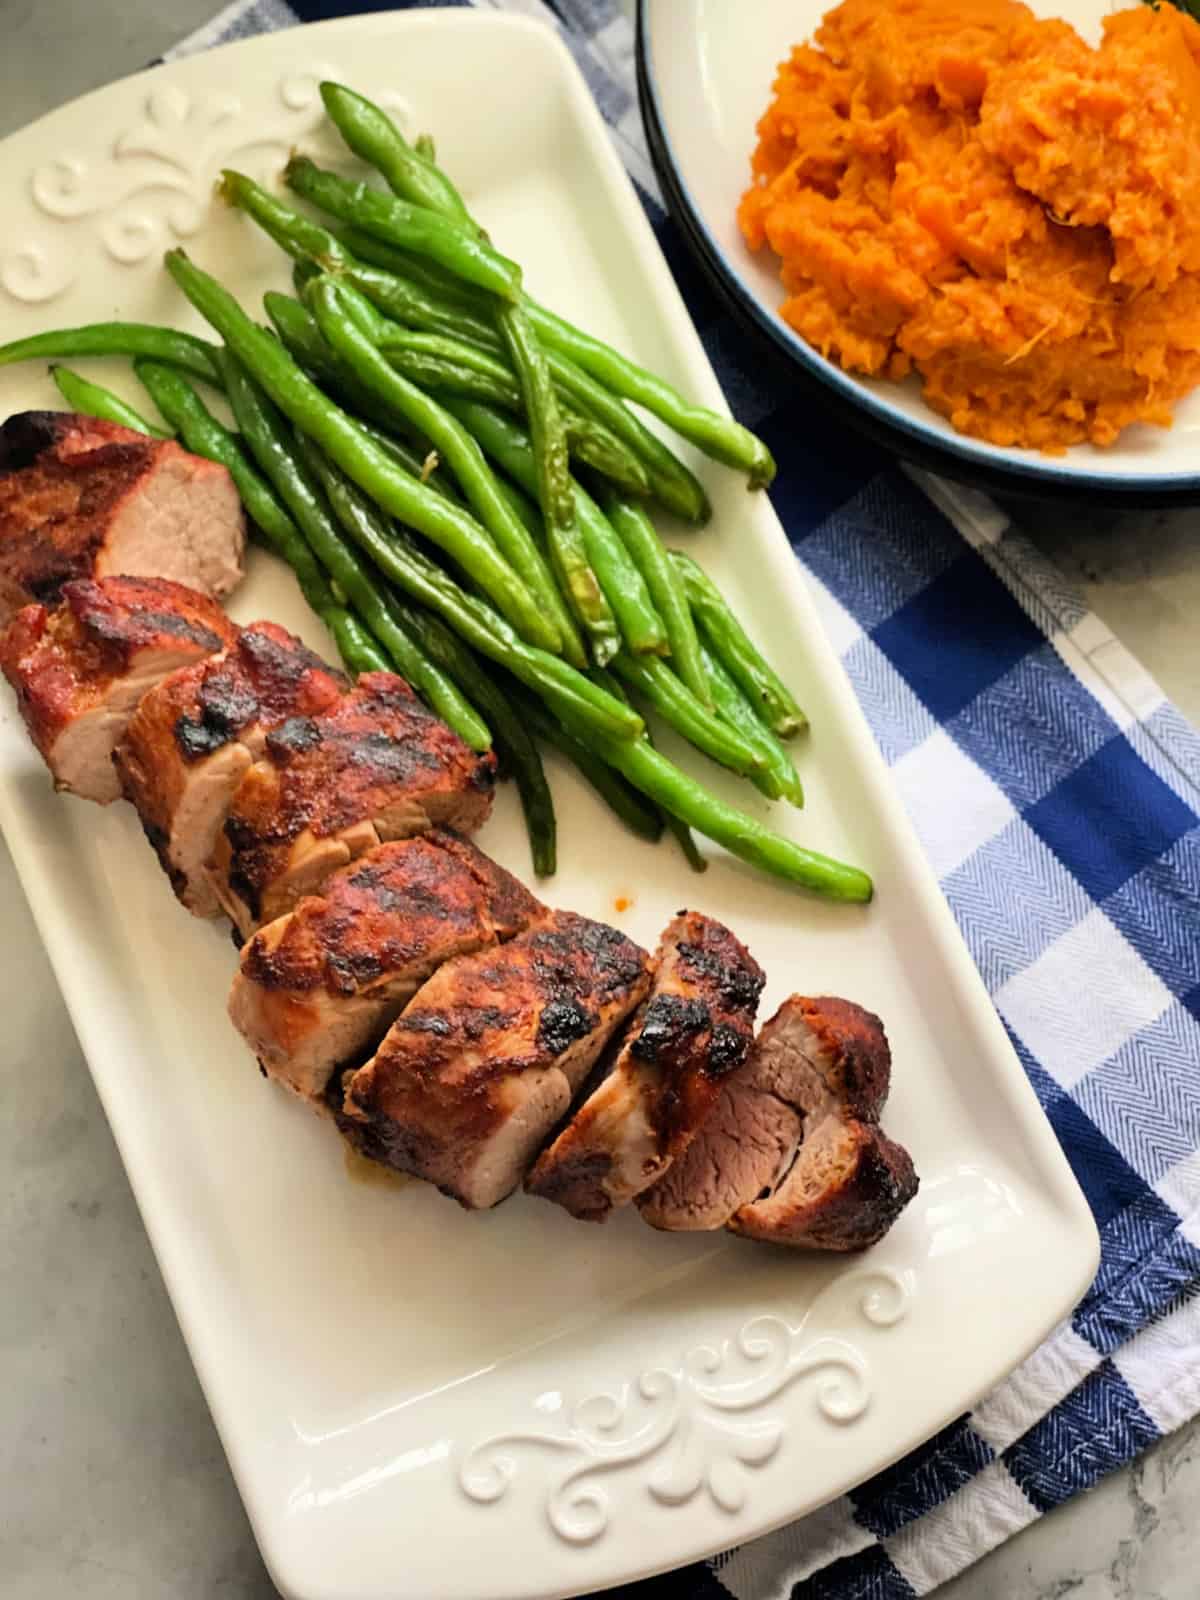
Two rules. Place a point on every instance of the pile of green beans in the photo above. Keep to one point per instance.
(458, 481)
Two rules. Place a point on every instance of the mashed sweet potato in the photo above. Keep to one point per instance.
(959, 188)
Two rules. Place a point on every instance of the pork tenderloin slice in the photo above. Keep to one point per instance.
(81, 669)
(328, 788)
(80, 499)
(847, 1186)
(320, 985)
(695, 1027)
(511, 905)
(194, 737)
(816, 1060)
(489, 1053)
(26, 435)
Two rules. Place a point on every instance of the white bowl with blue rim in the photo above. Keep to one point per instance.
(706, 68)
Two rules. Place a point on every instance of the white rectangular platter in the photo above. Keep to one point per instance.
(415, 1400)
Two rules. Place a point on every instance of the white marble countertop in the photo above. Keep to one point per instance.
(113, 1480)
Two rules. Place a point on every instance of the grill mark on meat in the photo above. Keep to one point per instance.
(616, 961)
(55, 529)
(727, 1049)
(201, 736)
(644, 1112)
(27, 434)
(81, 498)
(278, 666)
(82, 669)
(487, 1055)
(115, 631)
(428, 1022)
(738, 985)
(669, 1023)
(382, 767)
(561, 1023)
(295, 737)
(323, 983)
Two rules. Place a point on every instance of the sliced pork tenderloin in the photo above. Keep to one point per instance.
(84, 499)
(791, 1151)
(81, 668)
(510, 904)
(196, 735)
(319, 986)
(695, 1027)
(28, 434)
(488, 1055)
(376, 766)
(848, 1184)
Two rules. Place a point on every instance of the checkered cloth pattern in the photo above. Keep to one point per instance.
(1057, 795)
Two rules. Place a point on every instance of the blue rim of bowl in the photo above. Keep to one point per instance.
(978, 459)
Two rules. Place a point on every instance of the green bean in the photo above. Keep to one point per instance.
(373, 136)
(375, 139)
(546, 432)
(672, 484)
(573, 648)
(458, 352)
(301, 338)
(298, 235)
(329, 305)
(623, 800)
(620, 582)
(740, 834)
(358, 650)
(444, 377)
(776, 777)
(718, 436)
(397, 222)
(413, 305)
(662, 578)
(205, 436)
(280, 458)
(309, 243)
(370, 322)
(475, 374)
(663, 473)
(682, 834)
(510, 730)
(414, 463)
(304, 268)
(604, 433)
(396, 556)
(733, 647)
(597, 556)
(591, 443)
(427, 276)
(678, 828)
(94, 400)
(624, 588)
(117, 339)
(677, 705)
(508, 445)
(458, 534)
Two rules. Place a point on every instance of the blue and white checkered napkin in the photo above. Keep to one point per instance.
(1058, 797)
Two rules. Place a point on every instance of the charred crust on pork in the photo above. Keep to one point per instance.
(561, 1023)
